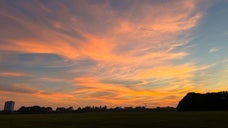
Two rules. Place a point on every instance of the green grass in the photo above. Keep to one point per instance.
(118, 120)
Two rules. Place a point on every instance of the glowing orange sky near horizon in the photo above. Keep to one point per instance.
(114, 53)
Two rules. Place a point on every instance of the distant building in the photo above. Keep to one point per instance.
(9, 106)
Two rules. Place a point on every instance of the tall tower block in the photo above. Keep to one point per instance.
(9, 106)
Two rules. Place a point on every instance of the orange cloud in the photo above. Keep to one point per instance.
(176, 26)
(60, 48)
(66, 99)
(90, 88)
(13, 74)
(182, 71)
(101, 47)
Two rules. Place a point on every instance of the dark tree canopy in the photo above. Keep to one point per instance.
(34, 109)
(204, 102)
(45, 110)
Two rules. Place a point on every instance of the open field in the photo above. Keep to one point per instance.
(118, 120)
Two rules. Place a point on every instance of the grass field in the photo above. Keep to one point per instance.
(118, 120)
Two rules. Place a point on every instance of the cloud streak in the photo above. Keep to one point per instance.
(213, 50)
(13, 74)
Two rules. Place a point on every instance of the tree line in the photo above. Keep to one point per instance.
(43, 110)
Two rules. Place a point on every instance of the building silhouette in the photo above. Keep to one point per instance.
(9, 106)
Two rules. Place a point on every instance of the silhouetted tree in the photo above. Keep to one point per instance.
(61, 110)
(70, 109)
(199, 102)
(34, 110)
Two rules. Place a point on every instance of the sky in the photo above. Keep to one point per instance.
(111, 52)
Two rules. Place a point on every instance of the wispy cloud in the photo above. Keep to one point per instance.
(14, 74)
(92, 89)
(18, 88)
(204, 67)
(213, 50)
(112, 36)
(225, 60)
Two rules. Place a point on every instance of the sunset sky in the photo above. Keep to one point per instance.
(111, 52)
